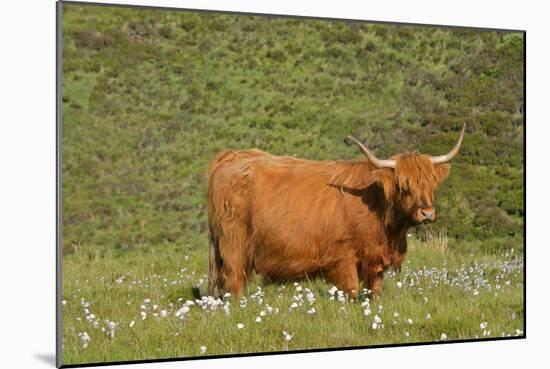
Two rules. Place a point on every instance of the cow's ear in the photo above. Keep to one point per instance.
(441, 172)
(359, 181)
(383, 178)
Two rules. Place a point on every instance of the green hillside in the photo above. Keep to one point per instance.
(149, 97)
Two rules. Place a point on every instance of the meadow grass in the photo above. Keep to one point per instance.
(457, 295)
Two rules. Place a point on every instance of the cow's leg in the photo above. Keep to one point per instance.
(235, 266)
(374, 278)
(234, 281)
(344, 275)
(375, 283)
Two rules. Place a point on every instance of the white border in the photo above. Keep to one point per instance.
(27, 188)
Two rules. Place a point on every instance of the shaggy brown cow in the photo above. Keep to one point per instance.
(288, 218)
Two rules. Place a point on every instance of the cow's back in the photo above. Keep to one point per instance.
(293, 217)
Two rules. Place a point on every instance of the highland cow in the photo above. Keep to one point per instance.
(287, 218)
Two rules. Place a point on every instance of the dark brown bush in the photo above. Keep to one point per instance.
(92, 39)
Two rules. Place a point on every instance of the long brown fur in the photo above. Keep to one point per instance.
(287, 218)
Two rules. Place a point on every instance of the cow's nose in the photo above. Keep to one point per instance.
(428, 213)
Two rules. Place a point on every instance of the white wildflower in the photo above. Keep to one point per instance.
(311, 311)
(443, 337)
(287, 336)
(84, 339)
(132, 323)
(182, 312)
(240, 325)
(310, 297)
(202, 350)
(483, 325)
(163, 313)
(399, 284)
(143, 315)
(409, 321)
(112, 327)
(258, 319)
(377, 323)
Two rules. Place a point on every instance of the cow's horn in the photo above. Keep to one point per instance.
(379, 163)
(446, 158)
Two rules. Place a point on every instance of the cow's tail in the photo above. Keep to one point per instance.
(214, 266)
(215, 206)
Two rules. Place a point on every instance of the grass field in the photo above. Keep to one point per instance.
(149, 97)
(134, 307)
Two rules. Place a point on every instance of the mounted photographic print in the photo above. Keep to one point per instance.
(237, 184)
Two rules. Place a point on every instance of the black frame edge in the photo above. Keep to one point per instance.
(525, 183)
(59, 223)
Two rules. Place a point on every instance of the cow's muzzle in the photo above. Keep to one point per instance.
(425, 215)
